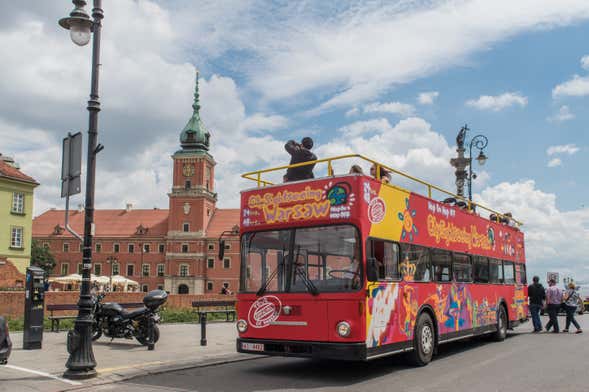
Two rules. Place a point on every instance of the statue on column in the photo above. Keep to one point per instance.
(461, 136)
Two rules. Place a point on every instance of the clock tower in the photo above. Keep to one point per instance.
(193, 196)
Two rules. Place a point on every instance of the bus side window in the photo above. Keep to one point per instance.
(495, 271)
(508, 272)
(462, 268)
(481, 269)
(415, 265)
(386, 255)
(442, 265)
(522, 278)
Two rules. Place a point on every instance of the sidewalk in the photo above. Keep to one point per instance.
(178, 347)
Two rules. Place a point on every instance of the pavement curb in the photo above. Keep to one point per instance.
(114, 377)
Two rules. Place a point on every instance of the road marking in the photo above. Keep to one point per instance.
(43, 374)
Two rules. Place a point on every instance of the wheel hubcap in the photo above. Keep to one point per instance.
(427, 339)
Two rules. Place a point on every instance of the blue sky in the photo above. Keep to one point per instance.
(348, 73)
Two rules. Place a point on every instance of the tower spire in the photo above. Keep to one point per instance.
(195, 136)
(196, 103)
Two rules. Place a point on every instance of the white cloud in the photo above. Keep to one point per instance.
(564, 114)
(569, 149)
(402, 109)
(554, 162)
(352, 112)
(411, 145)
(345, 57)
(578, 86)
(262, 122)
(427, 98)
(585, 62)
(498, 102)
(555, 240)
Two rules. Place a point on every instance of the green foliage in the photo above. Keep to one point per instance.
(42, 257)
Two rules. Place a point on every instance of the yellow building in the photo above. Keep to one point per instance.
(16, 216)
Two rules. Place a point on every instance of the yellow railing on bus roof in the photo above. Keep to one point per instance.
(257, 177)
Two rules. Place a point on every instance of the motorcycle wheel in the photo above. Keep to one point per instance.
(156, 336)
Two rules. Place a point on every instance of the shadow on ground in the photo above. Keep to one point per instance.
(275, 373)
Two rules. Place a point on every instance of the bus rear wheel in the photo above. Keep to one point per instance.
(501, 332)
(424, 341)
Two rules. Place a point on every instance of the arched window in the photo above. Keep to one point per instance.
(183, 289)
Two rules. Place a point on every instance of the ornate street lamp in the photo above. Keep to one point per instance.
(81, 363)
(110, 260)
(461, 162)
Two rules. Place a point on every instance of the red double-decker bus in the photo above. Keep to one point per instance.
(348, 267)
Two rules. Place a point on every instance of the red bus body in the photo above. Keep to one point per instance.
(381, 315)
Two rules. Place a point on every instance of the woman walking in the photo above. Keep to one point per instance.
(571, 300)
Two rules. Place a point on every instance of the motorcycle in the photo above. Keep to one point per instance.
(113, 321)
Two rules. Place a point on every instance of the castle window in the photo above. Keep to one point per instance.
(66, 247)
(187, 184)
(186, 227)
(184, 248)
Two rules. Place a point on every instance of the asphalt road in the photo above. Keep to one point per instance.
(523, 362)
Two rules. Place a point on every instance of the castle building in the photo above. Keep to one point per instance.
(16, 217)
(175, 249)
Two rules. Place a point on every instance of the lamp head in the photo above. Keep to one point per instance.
(482, 158)
(78, 23)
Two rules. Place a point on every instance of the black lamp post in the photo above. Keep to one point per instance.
(81, 363)
(461, 162)
(110, 260)
(479, 142)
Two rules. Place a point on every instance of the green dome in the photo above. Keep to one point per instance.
(195, 136)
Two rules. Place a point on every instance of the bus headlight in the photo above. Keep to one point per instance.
(242, 326)
(343, 329)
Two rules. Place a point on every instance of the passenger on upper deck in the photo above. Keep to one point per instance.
(385, 176)
(356, 169)
(300, 153)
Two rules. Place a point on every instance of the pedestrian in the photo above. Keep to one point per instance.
(299, 153)
(553, 304)
(356, 169)
(385, 176)
(571, 300)
(536, 296)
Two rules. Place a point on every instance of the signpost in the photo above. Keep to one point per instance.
(71, 170)
(552, 275)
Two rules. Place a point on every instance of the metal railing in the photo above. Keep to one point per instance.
(470, 205)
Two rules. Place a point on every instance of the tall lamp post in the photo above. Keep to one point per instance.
(81, 363)
(110, 260)
(461, 162)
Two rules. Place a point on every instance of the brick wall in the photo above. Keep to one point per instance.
(10, 275)
(12, 304)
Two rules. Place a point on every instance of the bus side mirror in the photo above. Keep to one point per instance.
(221, 249)
(371, 270)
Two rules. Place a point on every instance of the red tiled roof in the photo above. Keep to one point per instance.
(222, 220)
(109, 223)
(11, 172)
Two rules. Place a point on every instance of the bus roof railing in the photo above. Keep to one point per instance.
(257, 177)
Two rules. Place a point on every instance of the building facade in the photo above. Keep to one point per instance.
(175, 249)
(16, 217)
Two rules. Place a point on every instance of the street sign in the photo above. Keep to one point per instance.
(71, 165)
(552, 275)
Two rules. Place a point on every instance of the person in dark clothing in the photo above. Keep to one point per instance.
(536, 295)
(300, 152)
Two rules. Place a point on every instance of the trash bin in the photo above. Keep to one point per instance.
(5, 343)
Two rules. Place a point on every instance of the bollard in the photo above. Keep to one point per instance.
(203, 328)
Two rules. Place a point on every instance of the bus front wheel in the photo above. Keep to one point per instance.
(424, 341)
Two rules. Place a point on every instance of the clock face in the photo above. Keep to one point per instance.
(188, 170)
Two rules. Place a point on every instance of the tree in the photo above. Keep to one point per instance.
(41, 257)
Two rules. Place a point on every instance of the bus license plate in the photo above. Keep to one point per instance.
(252, 346)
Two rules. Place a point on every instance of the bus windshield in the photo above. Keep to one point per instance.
(314, 260)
